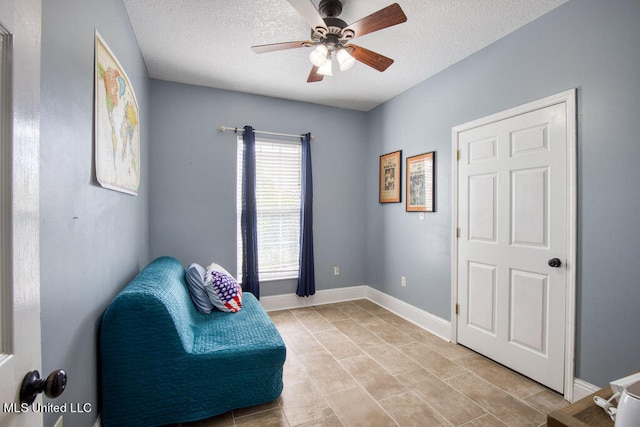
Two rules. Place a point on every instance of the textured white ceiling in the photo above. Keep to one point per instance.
(208, 43)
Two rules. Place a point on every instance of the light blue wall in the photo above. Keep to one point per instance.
(92, 240)
(186, 205)
(591, 45)
(193, 178)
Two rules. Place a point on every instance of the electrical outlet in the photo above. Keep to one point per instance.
(336, 270)
(403, 281)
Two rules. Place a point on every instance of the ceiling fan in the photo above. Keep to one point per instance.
(331, 36)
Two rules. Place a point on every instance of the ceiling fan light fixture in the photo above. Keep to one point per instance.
(325, 69)
(331, 34)
(345, 60)
(318, 56)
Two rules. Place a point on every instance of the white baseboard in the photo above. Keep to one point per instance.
(425, 320)
(415, 315)
(582, 389)
(326, 296)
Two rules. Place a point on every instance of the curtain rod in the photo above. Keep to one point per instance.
(236, 130)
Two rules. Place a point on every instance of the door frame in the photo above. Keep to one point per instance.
(569, 99)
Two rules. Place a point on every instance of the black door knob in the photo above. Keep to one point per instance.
(555, 262)
(32, 384)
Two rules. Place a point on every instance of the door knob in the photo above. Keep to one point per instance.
(555, 262)
(32, 384)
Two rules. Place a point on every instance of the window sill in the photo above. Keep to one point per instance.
(273, 278)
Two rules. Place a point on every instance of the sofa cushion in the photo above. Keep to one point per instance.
(223, 290)
(195, 282)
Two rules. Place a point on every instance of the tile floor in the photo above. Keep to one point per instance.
(356, 364)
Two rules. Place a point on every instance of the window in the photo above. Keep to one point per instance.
(278, 194)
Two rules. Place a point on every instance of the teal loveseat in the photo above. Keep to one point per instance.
(163, 362)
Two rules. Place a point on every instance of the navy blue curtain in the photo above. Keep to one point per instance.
(306, 273)
(249, 218)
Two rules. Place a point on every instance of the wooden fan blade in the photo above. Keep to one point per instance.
(386, 17)
(309, 13)
(314, 76)
(370, 58)
(264, 48)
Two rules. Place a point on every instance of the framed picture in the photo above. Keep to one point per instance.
(390, 177)
(420, 183)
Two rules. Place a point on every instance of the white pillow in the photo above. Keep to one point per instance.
(223, 290)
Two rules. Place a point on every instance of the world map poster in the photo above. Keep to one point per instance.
(117, 133)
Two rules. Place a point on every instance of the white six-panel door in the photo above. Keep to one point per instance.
(512, 218)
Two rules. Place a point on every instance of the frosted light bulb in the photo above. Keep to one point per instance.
(325, 69)
(318, 56)
(345, 60)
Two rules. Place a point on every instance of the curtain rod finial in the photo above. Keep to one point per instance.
(222, 128)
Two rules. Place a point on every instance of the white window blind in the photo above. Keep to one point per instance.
(278, 195)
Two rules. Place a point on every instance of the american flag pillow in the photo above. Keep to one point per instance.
(223, 290)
